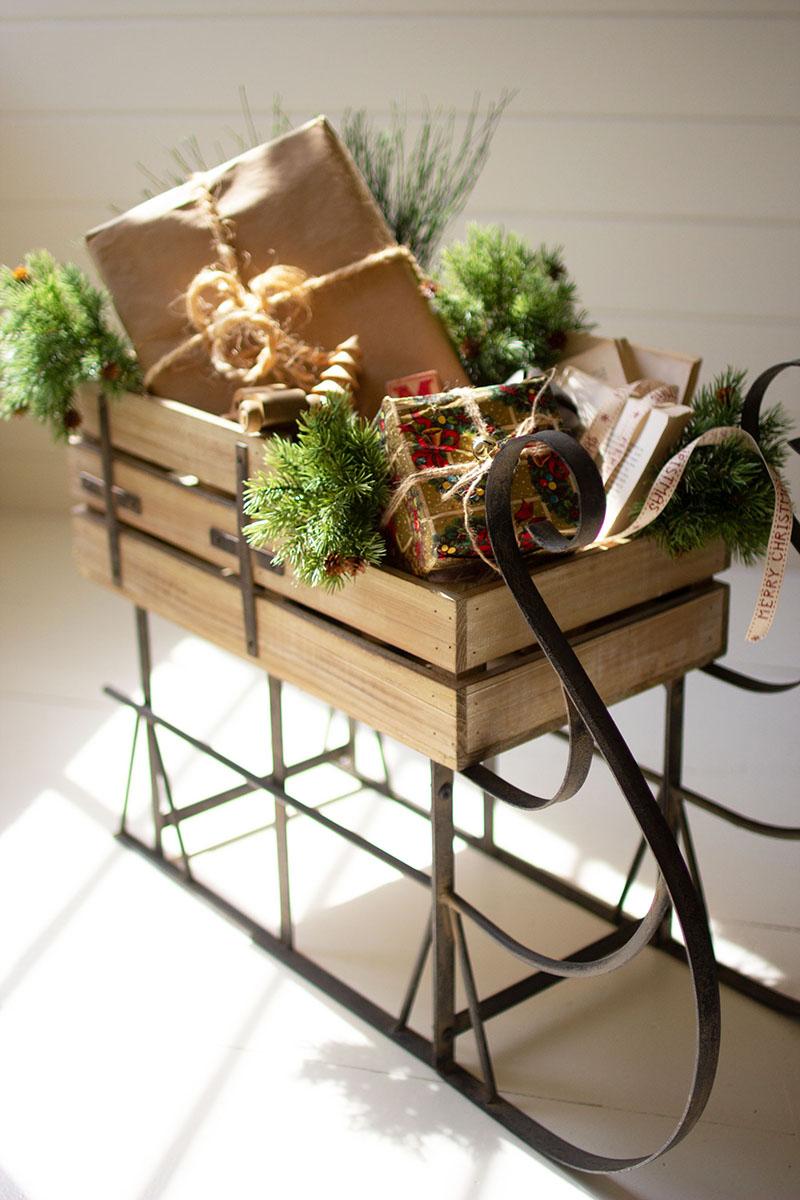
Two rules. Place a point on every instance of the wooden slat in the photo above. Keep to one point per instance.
(454, 721)
(581, 589)
(99, 160)
(173, 435)
(513, 706)
(373, 685)
(78, 61)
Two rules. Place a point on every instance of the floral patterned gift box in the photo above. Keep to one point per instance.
(435, 443)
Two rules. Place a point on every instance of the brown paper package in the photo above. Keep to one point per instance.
(299, 200)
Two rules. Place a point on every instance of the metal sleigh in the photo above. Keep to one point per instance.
(590, 731)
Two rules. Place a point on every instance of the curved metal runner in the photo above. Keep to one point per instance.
(591, 724)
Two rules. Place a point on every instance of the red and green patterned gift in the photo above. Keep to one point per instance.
(434, 445)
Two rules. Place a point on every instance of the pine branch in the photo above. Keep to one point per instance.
(54, 337)
(506, 304)
(422, 186)
(725, 491)
(318, 502)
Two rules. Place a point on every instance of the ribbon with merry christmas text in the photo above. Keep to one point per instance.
(785, 529)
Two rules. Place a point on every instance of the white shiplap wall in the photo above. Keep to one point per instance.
(657, 141)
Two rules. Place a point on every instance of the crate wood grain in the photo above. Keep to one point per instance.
(457, 626)
(186, 440)
(456, 720)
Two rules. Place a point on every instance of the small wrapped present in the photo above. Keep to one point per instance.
(251, 273)
(438, 449)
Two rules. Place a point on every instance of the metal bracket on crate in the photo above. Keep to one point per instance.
(246, 583)
(97, 487)
(108, 489)
(228, 542)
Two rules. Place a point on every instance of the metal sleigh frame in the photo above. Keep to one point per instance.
(590, 731)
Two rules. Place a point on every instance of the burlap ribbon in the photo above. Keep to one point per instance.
(248, 328)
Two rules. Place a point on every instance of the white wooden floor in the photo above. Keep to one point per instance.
(147, 1050)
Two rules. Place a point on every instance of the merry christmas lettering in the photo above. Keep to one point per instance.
(663, 490)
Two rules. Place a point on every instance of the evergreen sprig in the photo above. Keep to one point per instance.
(318, 502)
(506, 304)
(420, 185)
(54, 337)
(725, 491)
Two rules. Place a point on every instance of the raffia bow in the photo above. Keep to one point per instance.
(248, 327)
(475, 463)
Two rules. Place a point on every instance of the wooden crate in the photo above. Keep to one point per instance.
(455, 718)
(450, 670)
(175, 466)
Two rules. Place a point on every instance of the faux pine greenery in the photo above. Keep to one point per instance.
(318, 502)
(725, 491)
(420, 184)
(54, 337)
(506, 304)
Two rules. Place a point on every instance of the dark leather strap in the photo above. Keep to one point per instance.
(591, 713)
(746, 682)
(751, 419)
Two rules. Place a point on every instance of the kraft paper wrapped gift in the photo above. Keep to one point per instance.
(301, 201)
(428, 434)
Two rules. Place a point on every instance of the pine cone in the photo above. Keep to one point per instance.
(557, 339)
(336, 564)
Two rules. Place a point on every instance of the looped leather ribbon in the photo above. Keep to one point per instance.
(590, 722)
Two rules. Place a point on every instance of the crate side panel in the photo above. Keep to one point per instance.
(361, 679)
(175, 436)
(200, 601)
(399, 610)
(581, 589)
(525, 701)
(180, 515)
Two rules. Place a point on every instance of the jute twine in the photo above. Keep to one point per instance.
(475, 463)
(247, 327)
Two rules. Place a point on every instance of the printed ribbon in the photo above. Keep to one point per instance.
(785, 529)
(605, 423)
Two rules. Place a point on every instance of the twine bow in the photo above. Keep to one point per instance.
(476, 461)
(247, 327)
